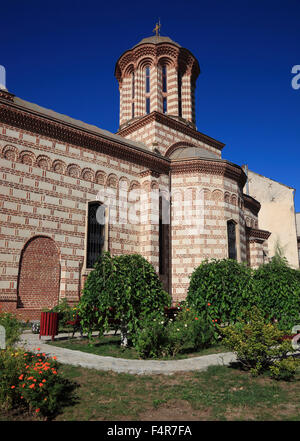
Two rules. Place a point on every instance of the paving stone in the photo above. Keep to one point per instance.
(138, 367)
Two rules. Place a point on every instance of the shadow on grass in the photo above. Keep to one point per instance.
(65, 398)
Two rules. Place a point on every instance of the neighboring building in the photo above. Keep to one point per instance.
(70, 190)
(298, 233)
(277, 214)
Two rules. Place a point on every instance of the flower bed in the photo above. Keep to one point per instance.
(31, 381)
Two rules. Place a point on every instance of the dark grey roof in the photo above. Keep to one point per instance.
(156, 39)
(77, 123)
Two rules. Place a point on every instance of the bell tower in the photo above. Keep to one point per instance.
(157, 75)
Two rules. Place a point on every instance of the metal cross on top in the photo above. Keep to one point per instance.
(157, 28)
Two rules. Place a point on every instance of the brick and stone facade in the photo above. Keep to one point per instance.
(54, 167)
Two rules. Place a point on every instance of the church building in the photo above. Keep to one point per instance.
(158, 187)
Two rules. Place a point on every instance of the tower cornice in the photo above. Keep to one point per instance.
(172, 123)
(179, 56)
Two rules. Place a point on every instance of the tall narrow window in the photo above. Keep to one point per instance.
(164, 78)
(164, 220)
(147, 78)
(179, 94)
(165, 105)
(95, 232)
(132, 110)
(231, 238)
(147, 105)
(132, 85)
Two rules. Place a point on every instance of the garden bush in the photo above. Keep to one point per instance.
(31, 381)
(257, 344)
(276, 288)
(223, 288)
(159, 336)
(13, 327)
(151, 339)
(127, 285)
(65, 313)
(284, 369)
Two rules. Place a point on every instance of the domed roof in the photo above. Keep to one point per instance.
(185, 152)
(156, 39)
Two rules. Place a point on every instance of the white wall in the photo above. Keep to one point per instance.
(277, 214)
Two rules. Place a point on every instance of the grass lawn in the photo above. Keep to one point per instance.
(220, 393)
(109, 345)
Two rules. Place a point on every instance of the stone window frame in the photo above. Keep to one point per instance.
(85, 269)
(237, 239)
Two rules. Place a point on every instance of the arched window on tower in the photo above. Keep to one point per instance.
(147, 89)
(165, 104)
(164, 78)
(179, 94)
(132, 93)
(132, 85)
(231, 239)
(147, 78)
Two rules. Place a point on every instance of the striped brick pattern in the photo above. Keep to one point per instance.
(49, 198)
(201, 206)
(172, 90)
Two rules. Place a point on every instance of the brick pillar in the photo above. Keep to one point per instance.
(149, 219)
(172, 89)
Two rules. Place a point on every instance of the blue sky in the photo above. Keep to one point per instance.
(62, 55)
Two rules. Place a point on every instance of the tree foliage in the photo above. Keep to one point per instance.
(123, 288)
(223, 287)
(276, 288)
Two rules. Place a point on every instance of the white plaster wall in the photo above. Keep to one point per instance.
(277, 214)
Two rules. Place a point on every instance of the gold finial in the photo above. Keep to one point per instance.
(157, 28)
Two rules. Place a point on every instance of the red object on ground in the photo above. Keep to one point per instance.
(289, 337)
(49, 324)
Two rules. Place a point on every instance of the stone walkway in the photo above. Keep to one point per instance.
(31, 341)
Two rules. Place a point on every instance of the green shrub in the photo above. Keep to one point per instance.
(276, 287)
(151, 339)
(126, 284)
(223, 288)
(190, 330)
(159, 336)
(258, 345)
(32, 381)
(11, 366)
(13, 327)
(284, 369)
(65, 313)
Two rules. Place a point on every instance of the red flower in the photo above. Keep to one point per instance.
(13, 387)
(196, 318)
(208, 304)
